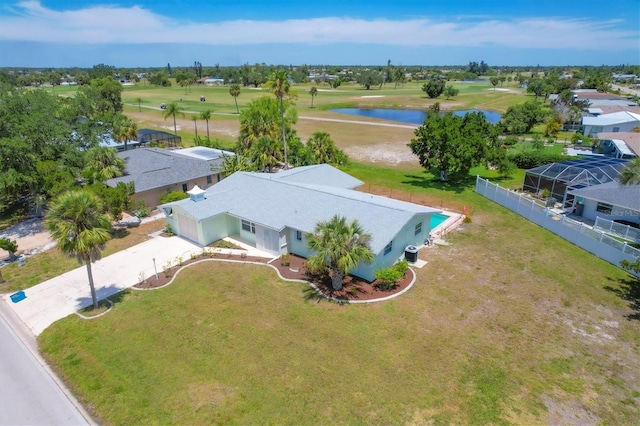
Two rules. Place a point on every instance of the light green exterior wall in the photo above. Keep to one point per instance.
(213, 229)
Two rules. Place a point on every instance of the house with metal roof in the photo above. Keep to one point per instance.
(276, 211)
(622, 121)
(154, 171)
(611, 201)
(620, 144)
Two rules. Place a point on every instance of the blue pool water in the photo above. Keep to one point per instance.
(409, 116)
(437, 219)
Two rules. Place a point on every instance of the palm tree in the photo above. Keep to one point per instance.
(138, 101)
(173, 109)
(195, 123)
(630, 175)
(102, 163)
(313, 92)
(125, 130)
(234, 91)
(265, 153)
(206, 116)
(235, 163)
(322, 147)
(279, 86)
(340, 246)
(80, 228)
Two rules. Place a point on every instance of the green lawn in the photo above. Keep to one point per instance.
(508, 324)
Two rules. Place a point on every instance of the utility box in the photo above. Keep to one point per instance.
(411, 254)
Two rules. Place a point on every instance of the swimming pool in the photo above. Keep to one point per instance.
(437, 219)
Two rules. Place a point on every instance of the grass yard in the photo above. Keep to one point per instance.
(508, 325)
(52, 263)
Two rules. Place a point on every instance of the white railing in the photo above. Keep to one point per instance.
(624, 231)
(592, 240)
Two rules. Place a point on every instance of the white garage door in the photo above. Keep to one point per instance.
(188, 228)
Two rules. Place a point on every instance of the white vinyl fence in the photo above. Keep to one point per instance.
(614, 228)
(592, 240)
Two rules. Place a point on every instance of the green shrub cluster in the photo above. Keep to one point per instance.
(169, 197)
(388, 277)
(531, 159)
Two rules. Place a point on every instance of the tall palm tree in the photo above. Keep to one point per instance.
(234, 91)
(195, 123)
(102, 163)
(340, 246)
(173, 109)
(206, 116)
(630, 175)
(279, 85)
(313, 92)
(125, 130)
(138, 101)
(80, 228)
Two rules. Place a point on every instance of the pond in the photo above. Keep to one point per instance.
(410, 116)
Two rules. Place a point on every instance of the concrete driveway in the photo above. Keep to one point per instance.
(58, 297)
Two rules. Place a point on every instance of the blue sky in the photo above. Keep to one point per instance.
(60, 33)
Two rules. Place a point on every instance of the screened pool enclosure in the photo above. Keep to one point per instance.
(559, 178)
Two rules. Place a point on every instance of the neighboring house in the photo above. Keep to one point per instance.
(156, 170)
(620, 145)
(562, 177)
(610, 200)
(622, 121)
(275, 213)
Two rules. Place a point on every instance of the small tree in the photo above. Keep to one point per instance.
(450, 92)
(10, 246)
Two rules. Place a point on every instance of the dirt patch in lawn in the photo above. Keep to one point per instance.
(354, 288)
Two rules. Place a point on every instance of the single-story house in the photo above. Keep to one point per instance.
(157, 170)
(610, 200)
(276, 211)
(620, 144)
(623, 121)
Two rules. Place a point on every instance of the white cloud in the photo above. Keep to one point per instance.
(30, 21)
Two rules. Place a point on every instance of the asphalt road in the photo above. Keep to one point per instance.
(28, 395)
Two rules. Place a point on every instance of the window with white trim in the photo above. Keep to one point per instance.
(299, 235)
(209, 180)
(418, 229)
(388, 248)
(248, 226)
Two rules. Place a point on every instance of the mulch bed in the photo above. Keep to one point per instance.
(353, 289)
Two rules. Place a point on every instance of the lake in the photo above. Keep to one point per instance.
(410, 116)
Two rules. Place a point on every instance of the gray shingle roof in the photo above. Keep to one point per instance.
(152, 168)
(625, 196)
(279, 203)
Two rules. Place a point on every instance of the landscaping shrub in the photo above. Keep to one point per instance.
(531, 159)
(168, 197)
(388, 277)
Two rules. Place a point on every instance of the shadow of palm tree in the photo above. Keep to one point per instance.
(310, 294)
(628, 289)
(113, 293)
